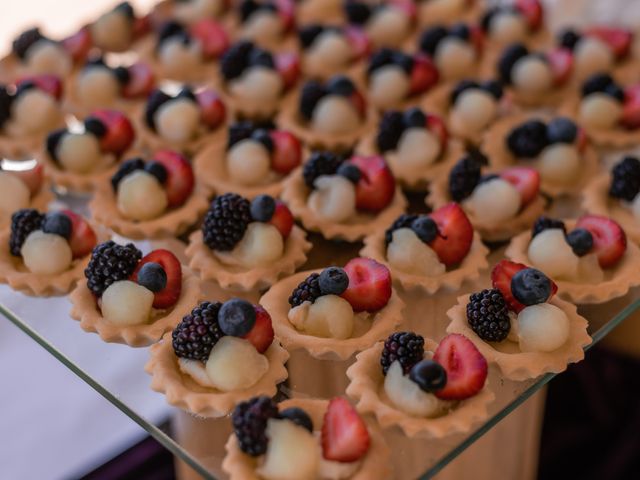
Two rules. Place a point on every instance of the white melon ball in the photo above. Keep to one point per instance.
(437, 11)
(196, 370)
(178, 120)
(417, 149)
(15, 194)
(388, 86)
(48, 57)
(329, 316)
(112, 31)
(532, 74)
(263, 27)
(591, 56)
(98, 87)
(179, 59)
(126, 303)
(329, 52)
(407, 396)
(455, 58)
(46, 253)
(194, 10)
(388, 27)
(542, 328)
(235, 364)
(549, 251)
(79, 152)
(298, 315)
(258, 84)
(494, 202)
(508, 27)
(141, 196)
(635, 207)
(333, 199)
(248, 162)
(599, 110)
(408, 253)
(589, 270)
(292, 452)
(262, 244)
(35, 111)
(334, 114)
(559, 163)
(475, 109)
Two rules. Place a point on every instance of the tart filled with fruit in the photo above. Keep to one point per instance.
(425, 388)
(257, 80)
(265, 23)
(342, 197)
(589, 258)
(446, 12)
(520, 325)
(386, 24)
(521, 22)
(130, 298)
(190, 11)
(430, 252)
(83, 154)
(45, 254)
(335, 312)
(23, 186)
(256, 159)
(149, 198)
(304, 439)
(221, 353)
(247, 244)
(117, 29)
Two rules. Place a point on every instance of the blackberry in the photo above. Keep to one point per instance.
(249, 7)
(461, 87)
(464, 177)
(235, 60)
(403, 221)
(156, 99)
(250, 424)
(568, 39)
(24, 41)
(110, 263)
(488, 316)
(5, 104)
(596, 83)
(240, 131)
(308, 34)
(528, 139)
(226, 221)
(494, 87)
(545, 223)
(311, 93)
(307, 291)
(23, 222)
(197, 333)
(626, 179)
(320, 163)
(406, 347)
(508, 59)
(430, 39)
(357, 12)
(390, 131)
(125, 169)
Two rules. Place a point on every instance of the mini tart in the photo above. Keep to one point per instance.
(85, 309)
(495, 147)
(203, 261)
(617, 282)
(366, 387)
(296, 192)
(185, 393)
(517, 365)
(382, 323)
(375, 465)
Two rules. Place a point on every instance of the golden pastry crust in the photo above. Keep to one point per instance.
(367, 389)
(617, 282)
(376, 327)
(295, 194)
(208, 267)
(85, 309)
(374, 466)
(517, 365)
(548, 99)
(185, 393)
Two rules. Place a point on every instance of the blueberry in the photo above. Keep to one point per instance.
(333, 281)
(158, 170)
(236, 317)
(262, 208)
(561, 130)
(508, 59)
(152, 276)
(414, 117)
(488, 177)
(568, 39)
(125, 169)
(58, 223)
(297, 416)
(461, 31)
(261, 135)
(581, 241)
(596, 83)
(262, 58)
(350, 172)
(95, 126)
(308, 34)
(431, 38)
(531, 286)
(462, 86)
(430, 376)
(615, 91)
(425, 228)
(341, 85)
(494, 87)
(403, 60)
(122, 74)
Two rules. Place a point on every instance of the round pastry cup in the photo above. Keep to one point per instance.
(204, 262)
(286, 42)
(517, 365)
(185, 393)
(295, 194)
(319, 11)
(468, 270)
(275, 301)
(618, 280)
(85, 309)
(375, 465)
(495, 147)
(552, 98)
(366, 387)
(40, 201)
(471, 13)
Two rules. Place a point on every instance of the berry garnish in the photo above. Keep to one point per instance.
(350, 172)
(488, 316)
(261, 335)
(119, 134)
(180, 179)
(580, 241)
(530, 286)
(282, 219)
(405, 347)
(262, 208)
(170, 293)
(609, 239)
(625, 181)
(333, 281)
(425, 228)
(508, 59)
(430, 376)
(466, 367)
(528, 140)
(345, 437)
(561, 130)
(369, 285)
(287, 153)
(58, 223)
(110, 263)
(23, 222)
(226, 221)
(320, 163)
(197, 333)
(544, 223)
(152, 276)
(83, 238)
(310, 95)
(455, 234)
(236, 317)
(464, 177)
(250, 424)
(525, 179)
(405, 220)
(158, 170)
(377, 186)
(501, 277)
(390, 130)
(126, 167)
(307, 291)
(297, 416)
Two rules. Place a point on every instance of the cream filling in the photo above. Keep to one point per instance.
(194, 10)
(591, 56)
(48, 57)
(508, 27)
(493, 202)
(32, 112)
(333, 199)
(260, 85)
(249, 163)
(417, 149)
(261, 245)
(263, 27)
(532, 74)
(455, 58)
(179, 59)
(97, 86)
(599, 110)
(329, 316)
(408, 253)
(331, 470)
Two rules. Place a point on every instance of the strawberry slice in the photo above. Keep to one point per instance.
(532, 11)
(501, 276)
(141, 81)
(282, 219)
(369, 284)
(437, 125)
(261, 335)
(377, 186)
(407, 6)
(618, 39)
(79, 44)
(50, 84)
(212, 109)
(288, 65)
(83, 238)
(213, 38)
(609, 239)
(424, 74)
(287, 12)
(32, 177)
(359, 103)
(582, 140)
(360, 43)
(345, 437)
(287, 153)
(141, 26)
(631, 109)
(455, 234)
(180, 178)
(119, 135)
(466, 367)
(169, 295)
(525, 179)
(561, 61)
(476, 35)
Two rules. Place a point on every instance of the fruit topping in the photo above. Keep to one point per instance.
(250, 424)
(544, 223)
(282, 219)
(307, 291)
(510, 56)
(119, 133)
(236, 317)
(618, 39)
(631, 109)
(488, 316)
(333, 281)
(528, 139)
(561, 62)
(287, 153)
(57, 223)
(166, 282)
(212, 109)
(261, 335)
(525, 179)
(455, 234)
(83, 238)
(530, 286)
(152, 276)
(226, 221)
(430, 376)
(350, 172)
(609, 239)
(180, 179)
(561, 130)
(25, 40)
(464, 177)
(405, 347)
(625, 181)
(126, 303)
(23, 222)
(141, 81)
(110, 263)
(297, 416)
(376, 188)
(501, 278)
(369, 285)
(345, 437)
(320, 163)
(532, 12)
(262, 208)
(197, 333)
(466, 367)
(581, 241)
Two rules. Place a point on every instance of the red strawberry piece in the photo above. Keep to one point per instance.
(261, 335)
(377, 186)
(345, 437)
(436, 125)
(120, 133)
(142, 25)
(369, 284)
(169, 295)
(359, 41)
(408, 7)
(501, 276)
(631, 108)
(282, 219)
(212, 109)
(180, 178)
(288, 65)
(212, 37)
(287, 153)
(581, 140)
(359, 103)
(455, 234)
(50, 84)
(561, 62)
(141, 81)
(424, 74)
(79, 44)
(618, 39)
(477, 38)
(466, 367)
(32, 177)
(525, 179)
(532, 11)
(609, 239)
(83, 238)
(287, 12)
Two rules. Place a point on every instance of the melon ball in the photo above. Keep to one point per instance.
(635, 207)
(599, 110)
(329, 52)
(263, 27)
(333, 199)
(329, 316)
(591, 55)
(408, 253)
(248, 162)
(112, 31)
(334, 114)
(126, 303)
(35, 111)
(141, 196)
(388, 86)
(494, 202)
(15, 194)
(235, 364)
(542, 328)
(437, 11)
(475, 109)
(46, 253)
(559, 163)
(258, 84)
(417, 148)
(389, 27)
(48, 57)
(79, 152)
(178, 120)
(407, 396)
(262, 244)
(532, 74)
(455, 58)
(179, 59)
(98, 87)
(508, 27)
(194, 10)
(549, 251)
